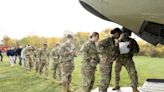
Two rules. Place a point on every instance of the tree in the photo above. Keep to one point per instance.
(7, 41)
(105, 33)
(80, 38)
(52, 41)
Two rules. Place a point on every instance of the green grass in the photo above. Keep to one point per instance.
(17, 79)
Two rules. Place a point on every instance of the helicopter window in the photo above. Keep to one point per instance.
(155, 29)
(152, 32)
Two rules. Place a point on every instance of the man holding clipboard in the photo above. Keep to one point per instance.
(128, 47)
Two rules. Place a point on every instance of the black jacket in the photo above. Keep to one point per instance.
(11, 52)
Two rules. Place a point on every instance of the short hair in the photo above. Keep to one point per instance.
(69, 36)
(94, 34)
(57, 44)
(45, 44)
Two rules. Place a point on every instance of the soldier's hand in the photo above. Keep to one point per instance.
(128, 46)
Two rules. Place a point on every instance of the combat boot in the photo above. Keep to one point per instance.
(116, 88)
(65, 87)
(69, 89)
(135, 89)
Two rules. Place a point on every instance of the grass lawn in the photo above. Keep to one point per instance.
(17, 79)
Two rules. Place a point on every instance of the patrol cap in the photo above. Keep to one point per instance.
(116, 30)
(125, 30)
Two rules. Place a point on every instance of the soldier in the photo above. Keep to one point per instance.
(89, 63)
(55, 58)
(108, 52)
(36, 59)
(126, 60)
(28, 57)
(23, 56)
(67, 53)
(44, 60)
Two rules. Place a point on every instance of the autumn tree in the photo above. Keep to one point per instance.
(7, 41)
(80, 38)
(105, 33)
(52, 41)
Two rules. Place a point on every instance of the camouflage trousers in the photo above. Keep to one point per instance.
(88, 70)
(128, 63)
(105, 71)
(56, 67)
(66, 71)
(29, 62)
(37, 63)
(43, 64)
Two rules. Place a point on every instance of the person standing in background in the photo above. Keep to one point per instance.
(11, 55)
(36, 59)
(55, 61)
(44, 59)
(28, 57)
(18, 54)
(1, 55)
(15, 61)
(23, 61)
(67, 53)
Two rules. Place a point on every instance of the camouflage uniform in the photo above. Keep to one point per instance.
(36, 60)
(28, 57)
(67, 63)
(126, 60)
(55, 58)
(89, 63)
(44, 61)
(107, 50)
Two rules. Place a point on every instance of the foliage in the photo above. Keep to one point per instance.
(147, 49)
(7, 41)
(37, 41)
(80, 38)
(105, 33)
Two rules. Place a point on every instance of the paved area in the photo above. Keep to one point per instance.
(123, 89)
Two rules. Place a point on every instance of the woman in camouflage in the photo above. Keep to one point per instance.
(89, 63)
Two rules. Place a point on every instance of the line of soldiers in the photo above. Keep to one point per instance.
(62, 56)
(103, 53)
(38, 57)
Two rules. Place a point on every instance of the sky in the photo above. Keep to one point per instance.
(48, 18)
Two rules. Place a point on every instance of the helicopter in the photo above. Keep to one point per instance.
(145, 18)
